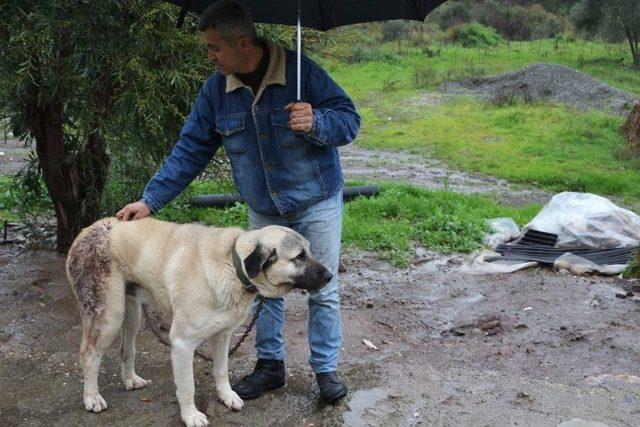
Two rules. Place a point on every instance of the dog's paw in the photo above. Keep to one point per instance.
(232, 400)
(135, 382)
(94, 403)
(195, 419)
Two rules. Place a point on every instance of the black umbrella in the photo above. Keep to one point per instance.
(322, 14)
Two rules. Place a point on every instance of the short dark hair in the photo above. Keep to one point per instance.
(230, 18)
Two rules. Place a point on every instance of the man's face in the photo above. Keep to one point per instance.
(227, 59)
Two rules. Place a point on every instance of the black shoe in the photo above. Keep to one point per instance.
(331, 388)
(267, 375)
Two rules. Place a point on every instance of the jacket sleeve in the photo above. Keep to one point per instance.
(335, 120)
(196, 145)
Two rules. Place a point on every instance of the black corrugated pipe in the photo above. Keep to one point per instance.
(228, 200)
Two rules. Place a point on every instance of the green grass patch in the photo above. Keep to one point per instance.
(7, 200)
(552, 147)
(604, 61)
(401, 216)
(633, 270)
(389, 224)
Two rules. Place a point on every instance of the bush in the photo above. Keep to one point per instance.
(451, 14)
(474, 35)
(518, 22)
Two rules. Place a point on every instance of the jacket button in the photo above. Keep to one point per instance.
(262, 135)
(274, 195)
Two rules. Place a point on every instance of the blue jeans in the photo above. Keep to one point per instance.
(321, 224)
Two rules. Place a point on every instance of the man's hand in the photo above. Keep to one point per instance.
(135, 210)
(301, 116)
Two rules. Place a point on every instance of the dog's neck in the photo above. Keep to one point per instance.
(246, 283)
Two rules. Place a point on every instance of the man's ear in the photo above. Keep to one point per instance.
(257, 260)
(244, 42)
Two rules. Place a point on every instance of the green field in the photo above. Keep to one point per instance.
(548, 146)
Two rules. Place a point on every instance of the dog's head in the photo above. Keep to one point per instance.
(277, 259)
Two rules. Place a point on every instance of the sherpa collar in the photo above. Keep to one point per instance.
(275, 71)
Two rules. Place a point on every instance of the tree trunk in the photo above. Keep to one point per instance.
(632, 37)
(60, 177)
(75, 183)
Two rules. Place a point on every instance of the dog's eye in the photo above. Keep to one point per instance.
(301, 256)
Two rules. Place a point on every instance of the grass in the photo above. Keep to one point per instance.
(551, 147)
(607, 62)
(389, 224)
(7, 200)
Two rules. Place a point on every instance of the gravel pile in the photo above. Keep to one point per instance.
(549, 83)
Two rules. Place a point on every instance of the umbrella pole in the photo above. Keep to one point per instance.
(299, 43)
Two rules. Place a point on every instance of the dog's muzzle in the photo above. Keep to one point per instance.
(314, 282)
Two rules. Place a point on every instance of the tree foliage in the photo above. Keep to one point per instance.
(614, 20)
(99, 86)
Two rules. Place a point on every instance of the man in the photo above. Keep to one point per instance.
(285, 165)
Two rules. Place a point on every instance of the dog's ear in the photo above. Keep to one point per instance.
(259, 259)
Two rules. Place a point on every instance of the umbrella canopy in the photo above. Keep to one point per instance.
(325, 14)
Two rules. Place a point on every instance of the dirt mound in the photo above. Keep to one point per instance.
(631, 129)
(549, 83)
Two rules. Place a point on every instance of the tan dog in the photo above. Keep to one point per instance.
(205, 277)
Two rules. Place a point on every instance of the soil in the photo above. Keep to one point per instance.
(549, 83)
(399, 166)
(534, 347)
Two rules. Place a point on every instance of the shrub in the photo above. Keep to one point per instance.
(474, 35)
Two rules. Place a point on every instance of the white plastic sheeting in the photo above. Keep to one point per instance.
(583, 219)
(579, 220)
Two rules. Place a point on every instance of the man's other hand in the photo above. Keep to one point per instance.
(301, 116)
(135, 210)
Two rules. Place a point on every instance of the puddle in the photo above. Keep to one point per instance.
(360, 401)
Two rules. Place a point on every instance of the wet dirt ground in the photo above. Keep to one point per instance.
(533, 348)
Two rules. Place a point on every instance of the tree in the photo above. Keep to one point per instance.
(90, 81)
(612, 19)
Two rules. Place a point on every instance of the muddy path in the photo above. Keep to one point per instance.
(530, 348)
(399, 166)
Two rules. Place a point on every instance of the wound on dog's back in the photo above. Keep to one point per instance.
(90, 264)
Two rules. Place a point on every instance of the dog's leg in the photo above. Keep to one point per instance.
(130, 327)
(98, 334)
(220, 351)
(182, 360)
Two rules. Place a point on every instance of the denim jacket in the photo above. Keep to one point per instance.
(276, 171)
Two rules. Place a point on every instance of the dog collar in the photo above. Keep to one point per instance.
(237, 263)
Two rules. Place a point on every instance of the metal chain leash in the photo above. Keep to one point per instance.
(154, 321)
(253, 322)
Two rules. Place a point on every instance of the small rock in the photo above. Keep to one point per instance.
(621, 295)
(369, 304)
(457, 332)
(523, 395)
(490, 325)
